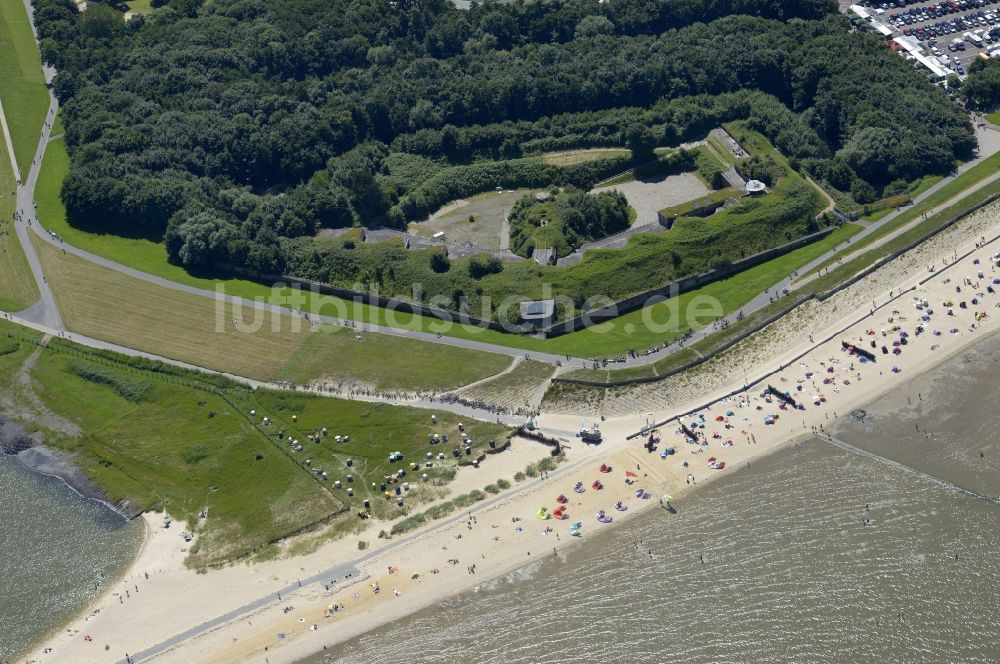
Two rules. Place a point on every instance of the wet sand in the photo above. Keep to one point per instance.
(180, 600)
(944, 423)
(813, 555)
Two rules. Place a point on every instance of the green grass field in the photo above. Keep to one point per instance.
(22, 86)
(22, 91)
(993, 117)
(105, 304)
(923, 184)
(57, 126)
(387, 362)
(140, 6)
(571, 157)
(187, 445)
(19, 290)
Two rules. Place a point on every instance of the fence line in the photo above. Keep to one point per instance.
(820, 297)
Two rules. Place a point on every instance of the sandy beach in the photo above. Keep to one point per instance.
(159, 598)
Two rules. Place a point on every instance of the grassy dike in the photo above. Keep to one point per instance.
(817, 286)
(25, 100)
(168, 438)
(22, 86)
(104, 304)
(638, 329)
(18, 289)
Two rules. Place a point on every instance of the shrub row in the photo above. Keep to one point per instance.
(459, 181)
(130, 389)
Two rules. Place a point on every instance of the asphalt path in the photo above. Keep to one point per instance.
(46, 313)
(348, 572)
(427, 401)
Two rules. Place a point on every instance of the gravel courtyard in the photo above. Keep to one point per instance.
(649, 196)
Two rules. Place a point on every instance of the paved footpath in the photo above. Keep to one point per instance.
(46, 313)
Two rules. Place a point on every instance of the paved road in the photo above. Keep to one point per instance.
(46, 313)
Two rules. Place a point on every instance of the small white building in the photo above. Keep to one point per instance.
(538, 312)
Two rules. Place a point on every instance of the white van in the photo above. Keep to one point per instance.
(973, 39)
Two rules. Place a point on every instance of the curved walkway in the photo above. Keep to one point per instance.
(46, 313)
(846, 257)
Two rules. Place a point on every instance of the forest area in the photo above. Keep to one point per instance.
(234, 131)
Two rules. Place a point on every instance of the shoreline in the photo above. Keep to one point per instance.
(238, 641)
(54, 463)
(84, 613)
(348, 630)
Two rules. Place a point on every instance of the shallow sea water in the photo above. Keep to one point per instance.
(58, 551)
(815, 554)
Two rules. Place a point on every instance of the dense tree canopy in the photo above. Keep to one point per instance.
(982, 87)
(566, 221)
(232, 126)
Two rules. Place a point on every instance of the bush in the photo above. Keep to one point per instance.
(8, 346)
(440, 262)
(710, 168)
(483, 265)
(763, 168)
(491, 488)
(519, 476)
(194, 454)
(503, 484)
(130, 389)
(863, 192)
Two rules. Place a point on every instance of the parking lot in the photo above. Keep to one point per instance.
(953, 31)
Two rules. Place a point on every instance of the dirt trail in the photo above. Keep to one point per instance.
(27, 404)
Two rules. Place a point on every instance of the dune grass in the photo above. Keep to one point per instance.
(22, 86)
